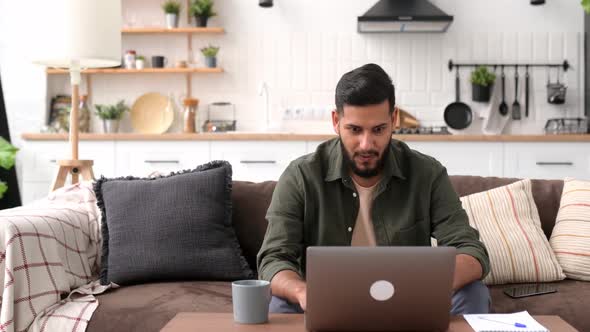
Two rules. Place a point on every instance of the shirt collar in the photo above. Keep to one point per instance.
(337, 169)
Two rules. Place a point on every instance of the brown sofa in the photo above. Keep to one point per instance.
(148, 307)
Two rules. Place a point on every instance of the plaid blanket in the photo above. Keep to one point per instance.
(49, 262)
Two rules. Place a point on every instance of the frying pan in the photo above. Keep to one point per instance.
(458, 115)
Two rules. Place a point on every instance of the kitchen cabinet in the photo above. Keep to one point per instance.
(260, 160)
(547, 160)
(460, 158)
(138, 159)
(40, 158)
(39, 164)
(465, 158)
(257, 160)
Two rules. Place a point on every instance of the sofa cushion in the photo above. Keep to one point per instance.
(148, 307)
(571, 235)
(545, 192)
(509, 226)
(250, 202)
(250, 224)
(570, 302)
(170, 227)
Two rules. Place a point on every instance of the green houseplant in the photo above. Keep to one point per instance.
(482, 81)
(201, 10)
(111, 115)
(210, 54)
(140, 62)
(7, 159)
(172, 9)
(586, 6)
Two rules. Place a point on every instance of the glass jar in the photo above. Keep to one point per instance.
(129, 59)
(190, 115)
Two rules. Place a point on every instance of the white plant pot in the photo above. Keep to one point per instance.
(110, 126)
(171, 21)
(139, 64)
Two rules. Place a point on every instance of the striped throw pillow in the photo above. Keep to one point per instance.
(570, 238)
(509, 226)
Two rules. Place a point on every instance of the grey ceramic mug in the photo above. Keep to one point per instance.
(251, 299)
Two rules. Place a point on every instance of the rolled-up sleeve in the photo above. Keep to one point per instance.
(450, 223)
(282, 247)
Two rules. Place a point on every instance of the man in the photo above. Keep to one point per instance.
(366, 189)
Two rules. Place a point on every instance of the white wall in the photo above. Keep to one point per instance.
(301, 48)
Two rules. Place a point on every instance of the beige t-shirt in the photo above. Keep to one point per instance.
(364, 233)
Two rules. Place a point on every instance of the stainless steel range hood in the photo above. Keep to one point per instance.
(404, 16)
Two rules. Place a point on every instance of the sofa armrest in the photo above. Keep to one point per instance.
(47, 248)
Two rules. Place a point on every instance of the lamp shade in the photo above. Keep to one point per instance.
(79, 33)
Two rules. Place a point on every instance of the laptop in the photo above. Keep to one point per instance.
(379, 288)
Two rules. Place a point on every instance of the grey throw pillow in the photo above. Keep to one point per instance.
(175, 227)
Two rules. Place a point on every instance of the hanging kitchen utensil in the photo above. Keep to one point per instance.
(516, 105)
(503, 106)
(556, 91)
(526, 92)
(458, 115)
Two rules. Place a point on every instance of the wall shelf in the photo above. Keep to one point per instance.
(141, 71)
(159, 30)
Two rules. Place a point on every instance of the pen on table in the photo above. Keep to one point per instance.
(497, 321)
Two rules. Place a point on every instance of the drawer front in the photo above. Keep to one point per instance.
(40, 159)
(257, 161)
(465, 158)
(140, 160)
(547, 160)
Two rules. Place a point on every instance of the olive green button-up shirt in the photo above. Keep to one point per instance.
(315, 203)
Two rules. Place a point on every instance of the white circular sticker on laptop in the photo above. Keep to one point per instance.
(382, 290)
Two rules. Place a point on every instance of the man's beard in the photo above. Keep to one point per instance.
(366, 172)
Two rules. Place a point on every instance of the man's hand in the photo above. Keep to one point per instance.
(290, 286)
(467, 270)
(301, 296)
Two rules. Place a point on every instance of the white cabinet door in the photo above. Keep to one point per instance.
(313, 145)
(547, 160)
(257, 161)
(32, 191)
(141, 158)
(40, 158)
(465, 158)
(39, 164)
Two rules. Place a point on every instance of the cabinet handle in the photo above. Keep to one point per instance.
(161, 161)
(555, 163)
(258, 161)
(53, 161)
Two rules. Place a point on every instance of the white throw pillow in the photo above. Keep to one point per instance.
(570, 238)
(510, 227)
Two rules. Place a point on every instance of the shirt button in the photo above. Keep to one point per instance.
(353, 194)
(350, 229)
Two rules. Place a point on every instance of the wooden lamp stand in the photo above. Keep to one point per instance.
(74, 166)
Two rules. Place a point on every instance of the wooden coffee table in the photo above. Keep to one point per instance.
(224, 322)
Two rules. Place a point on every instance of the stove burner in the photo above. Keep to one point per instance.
(431, 130)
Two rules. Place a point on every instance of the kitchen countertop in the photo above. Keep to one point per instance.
(258, 136)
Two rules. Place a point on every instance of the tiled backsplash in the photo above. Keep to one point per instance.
(301, 48)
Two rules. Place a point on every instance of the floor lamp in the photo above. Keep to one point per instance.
(78, 34)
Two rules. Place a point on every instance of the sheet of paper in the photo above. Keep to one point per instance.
(504, 322)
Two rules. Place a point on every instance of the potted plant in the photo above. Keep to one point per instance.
(7, 158)
(111, 115)
(140, 62)
(210, 53)
(172, 9)
(201, 10)
(482, 82)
